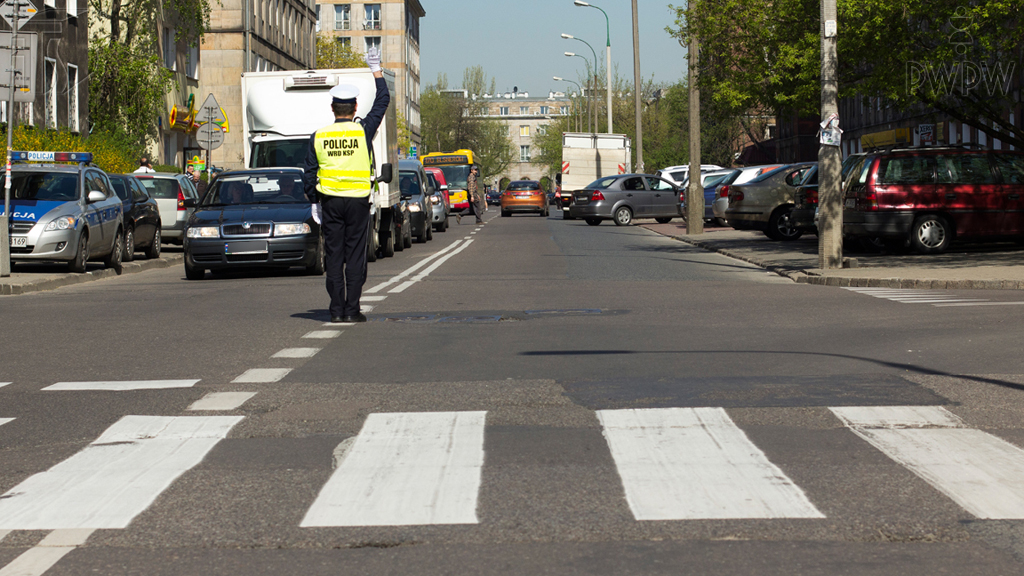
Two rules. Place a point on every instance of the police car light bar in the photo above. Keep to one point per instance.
(52, 156)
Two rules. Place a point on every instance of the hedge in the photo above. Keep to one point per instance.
(110, 151)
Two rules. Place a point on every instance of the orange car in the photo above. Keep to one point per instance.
(524, 196)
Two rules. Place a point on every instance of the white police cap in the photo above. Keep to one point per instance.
(345, 93)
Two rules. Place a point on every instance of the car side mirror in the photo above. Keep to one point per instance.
(190, 202)
(444, 187)
(386, 173)
(95, 196)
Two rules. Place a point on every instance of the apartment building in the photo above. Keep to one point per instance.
(251, 36)
(525, 118)
(394, 27)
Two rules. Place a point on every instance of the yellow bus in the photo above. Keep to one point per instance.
(455, 167)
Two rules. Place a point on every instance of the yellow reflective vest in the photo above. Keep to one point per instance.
(344, 158)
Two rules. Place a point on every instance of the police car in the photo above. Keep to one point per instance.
(63, 212)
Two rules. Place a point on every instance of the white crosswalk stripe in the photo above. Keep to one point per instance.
(5, 421)
(406, 469)
(123, 385)
(980, 472)
(906, 296)
(116, 477)
(695, 463)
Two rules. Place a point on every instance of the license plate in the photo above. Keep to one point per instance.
(522, 195)
(246, 247)
(851, 203)
(19, 241)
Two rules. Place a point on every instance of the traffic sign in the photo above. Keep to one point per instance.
(210, 112)
(24, 63)
(210, 136)
(26, 10)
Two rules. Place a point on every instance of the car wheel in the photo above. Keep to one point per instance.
(407, 240)
(193, 273)
(930, 234)
(81, 256)
(388, 247)
(663, 220)
(594, 221)
(504, 214)
(430, 231)
(721, 222)
(565, 215)
(623, 216)
(153, 250)
(129, 245)
(400, 236)
(780, 225)
(113, 260)
(317, 268)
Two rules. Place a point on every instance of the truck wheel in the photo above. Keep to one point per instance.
(930, 234)
(81, 256)
(400, 236)
(623, 216)
(113, 260)
(372, 244)
(388, 248)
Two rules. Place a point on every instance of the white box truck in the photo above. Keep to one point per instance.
(282, 109)
(587, 157)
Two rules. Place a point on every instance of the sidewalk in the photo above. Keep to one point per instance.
(31, 277)
(995, 266)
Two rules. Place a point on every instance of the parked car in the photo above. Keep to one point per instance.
(929, 197)
(524, 196)
(171, 191)
(624, 197)
(744, 175)
(440, 206)
(253, 218)
(416, 191)
(64, 212)
(679, 174)
(766, 202)
(141, 217)
(805, 209)
(710, 181)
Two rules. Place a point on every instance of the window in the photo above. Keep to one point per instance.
(342, 17)
(524, 110)
(72, 8)
(965, 169)
(50, 86)
(1011, 167)
(524, 130)
(657, 184)
(50, 3)
(169, 49)
(372, 17)
(317, 17)
(907, 170)
(73, 98)
(524, 153)
(344, 41)
(503, 110)
(192, 62)
(565, 110)
(373, 42)
(543, 109)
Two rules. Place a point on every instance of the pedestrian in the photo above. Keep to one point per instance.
(338, 179)
(473, 193)
(144, 166)
(197, 182)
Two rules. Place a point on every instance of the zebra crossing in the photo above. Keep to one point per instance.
(426, 468)
(907, 296)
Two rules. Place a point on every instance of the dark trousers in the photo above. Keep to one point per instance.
(346, 227)
(474, 209)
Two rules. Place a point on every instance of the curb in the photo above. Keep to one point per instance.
(801, 276)
(70, 279)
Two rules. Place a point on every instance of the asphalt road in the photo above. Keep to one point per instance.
(533, 396)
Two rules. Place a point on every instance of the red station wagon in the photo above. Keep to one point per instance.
(931, 196)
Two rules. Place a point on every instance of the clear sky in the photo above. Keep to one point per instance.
(518, 42)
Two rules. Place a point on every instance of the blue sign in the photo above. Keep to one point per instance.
(412, 151)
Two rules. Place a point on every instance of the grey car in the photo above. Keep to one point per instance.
(440, 206)
(766, 203)
(625, 197)
(171, 191)
(65, 213)
(417, 191)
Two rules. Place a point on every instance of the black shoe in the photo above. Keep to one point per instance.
(357, 318)
(336, 319)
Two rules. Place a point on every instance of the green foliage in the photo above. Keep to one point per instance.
(111, 151)
(127, 87)
(331, 53)
(404, 133)
(167, 168)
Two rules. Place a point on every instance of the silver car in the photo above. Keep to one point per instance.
(721, 203)
(171, 191)
(65, 213)
(439, 204)
(625, 197)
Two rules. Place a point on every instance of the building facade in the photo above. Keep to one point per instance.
(251, 36)
(394, 27)
(61, 89)
(525, 118)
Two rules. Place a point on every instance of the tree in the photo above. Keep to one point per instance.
(957, 57)
(332, 53)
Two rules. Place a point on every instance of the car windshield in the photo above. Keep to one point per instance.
(524, 185)
(279, 153)
(409, 182)
(715, 180)
(160, 187)
(768, 174)
(456, 176)
(602, 183)
(49, 186)
(274, 188)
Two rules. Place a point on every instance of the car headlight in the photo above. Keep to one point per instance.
(62, 223)
(203, 232)
(290, 229)
(414, 207)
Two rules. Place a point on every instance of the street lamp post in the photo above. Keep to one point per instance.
(571, 37)
(560, 79)
(590, 96)
(608, 54)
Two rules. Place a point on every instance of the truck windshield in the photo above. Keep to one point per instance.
(50, 186)
(279, 153)
(456, 176)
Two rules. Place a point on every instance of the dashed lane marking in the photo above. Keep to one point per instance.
(114, 385)
(3, 534)
(982, 303)
(37, 560)
(2, 384)
(372, 298)
(415, 267)
(337, 324)
(323, 333)
(2, 422)
(296, 353)
(261, 375)
(365, 307)
(426, 272)
(221, 401)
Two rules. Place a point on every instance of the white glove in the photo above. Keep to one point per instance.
(373, 58)
(318, 213)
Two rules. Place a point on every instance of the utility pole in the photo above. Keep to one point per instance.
(636, 89)
(695, 191)
(830, 202)
(5, 219)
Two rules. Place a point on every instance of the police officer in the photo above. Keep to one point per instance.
(338, 178)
